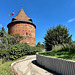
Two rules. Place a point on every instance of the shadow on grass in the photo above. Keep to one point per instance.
(35, 63)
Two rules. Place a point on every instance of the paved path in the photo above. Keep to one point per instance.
(26, 67)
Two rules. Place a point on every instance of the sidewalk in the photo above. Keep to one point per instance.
(26, 67)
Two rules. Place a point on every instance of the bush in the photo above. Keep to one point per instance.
(16, 51)
(11, 49)
(67, 51)
(57, 47)
(3, 51)
(69, 47)
(65, 47)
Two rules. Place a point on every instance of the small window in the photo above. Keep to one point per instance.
(29, 34)
(30, 20)
(26, 33)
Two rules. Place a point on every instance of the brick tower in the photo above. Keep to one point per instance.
(23, 25)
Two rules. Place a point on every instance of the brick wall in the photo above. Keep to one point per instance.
(25, 30)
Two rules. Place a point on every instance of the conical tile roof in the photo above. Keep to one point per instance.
(22, 15)
(21, 18)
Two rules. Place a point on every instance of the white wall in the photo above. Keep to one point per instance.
(61, 66)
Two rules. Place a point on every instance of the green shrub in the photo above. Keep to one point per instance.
(66, 51)
(11, 49)
(68, 47)
(57, 47)
(13, 52)
(65, 47)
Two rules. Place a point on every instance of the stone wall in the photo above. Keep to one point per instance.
(61, 66)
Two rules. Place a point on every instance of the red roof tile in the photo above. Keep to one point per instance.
(22, 15)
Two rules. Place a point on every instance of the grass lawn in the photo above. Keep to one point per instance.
(5, 69)
(60, 54)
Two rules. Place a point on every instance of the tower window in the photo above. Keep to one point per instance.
(26, 33)
(30, 20)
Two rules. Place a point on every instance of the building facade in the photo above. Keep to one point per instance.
(23, 25)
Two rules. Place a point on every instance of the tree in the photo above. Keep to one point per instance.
(3, 29)
(40, 45)
(2, 32)
(5, 38)
(56, 35)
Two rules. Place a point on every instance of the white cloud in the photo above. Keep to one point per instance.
(71, 20)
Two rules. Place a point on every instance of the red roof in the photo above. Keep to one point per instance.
(22, 15)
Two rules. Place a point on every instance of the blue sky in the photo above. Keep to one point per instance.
(44, 13)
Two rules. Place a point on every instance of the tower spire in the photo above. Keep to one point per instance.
(22, 15)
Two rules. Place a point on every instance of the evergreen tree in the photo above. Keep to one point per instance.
(57, 35)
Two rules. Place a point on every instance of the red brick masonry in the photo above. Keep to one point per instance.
(24, 27)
